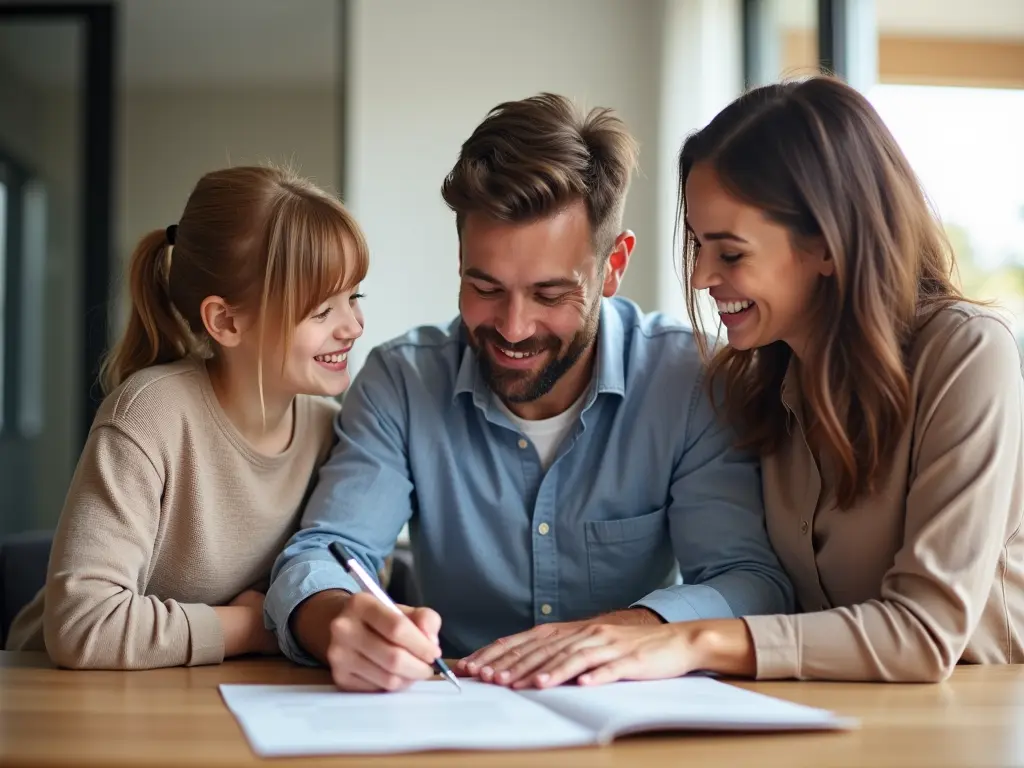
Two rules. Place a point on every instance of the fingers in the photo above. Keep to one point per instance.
(625, 668)
(373, 648)
(475, 662)
(348, 680)
(529, 657)
(395, 628)
(382, 678)
(428, 621)
(571, 662)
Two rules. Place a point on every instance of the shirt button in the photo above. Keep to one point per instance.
(545, 609)
(803, 527)
(522, 442)
(543, 529)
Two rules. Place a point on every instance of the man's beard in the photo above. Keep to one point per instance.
(514, 386)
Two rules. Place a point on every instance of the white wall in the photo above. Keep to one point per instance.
(171, 137)
(423, 75)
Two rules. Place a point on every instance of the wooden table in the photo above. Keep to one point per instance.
(171, 717)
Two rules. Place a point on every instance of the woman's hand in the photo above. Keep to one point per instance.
(508, 660)
(602, 653)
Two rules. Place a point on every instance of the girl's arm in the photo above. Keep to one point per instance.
(95, 614)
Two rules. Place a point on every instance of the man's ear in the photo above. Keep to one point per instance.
(617, 262)
(222, 323)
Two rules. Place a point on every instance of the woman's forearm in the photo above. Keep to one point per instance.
(723, 646)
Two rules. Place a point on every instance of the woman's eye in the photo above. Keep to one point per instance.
(322, 315)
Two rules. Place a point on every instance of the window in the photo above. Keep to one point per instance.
(965, 146)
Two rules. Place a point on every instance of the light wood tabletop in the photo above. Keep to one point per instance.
(171, 717)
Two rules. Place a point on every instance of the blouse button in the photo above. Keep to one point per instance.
(803, 527)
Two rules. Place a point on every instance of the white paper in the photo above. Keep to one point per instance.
(688, 703)
(320, 720)
(293, 720)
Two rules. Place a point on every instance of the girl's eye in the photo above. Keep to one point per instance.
(322, 315)
(356, 297)
(731, 258)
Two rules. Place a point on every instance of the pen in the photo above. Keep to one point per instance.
(358, 573)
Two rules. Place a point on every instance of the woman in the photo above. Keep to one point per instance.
(887, 409)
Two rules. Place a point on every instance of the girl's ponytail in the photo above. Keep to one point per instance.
(154, 334)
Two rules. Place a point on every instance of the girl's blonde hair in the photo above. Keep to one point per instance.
(261, 238)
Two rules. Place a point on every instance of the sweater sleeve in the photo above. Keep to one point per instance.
(96, 614)
(961, 510)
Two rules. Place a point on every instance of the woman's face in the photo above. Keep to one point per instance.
(763, 286)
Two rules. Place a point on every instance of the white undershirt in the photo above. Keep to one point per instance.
(546, 434)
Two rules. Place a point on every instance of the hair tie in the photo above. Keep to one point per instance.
(171, 233)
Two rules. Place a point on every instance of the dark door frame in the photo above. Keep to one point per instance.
(96, 177)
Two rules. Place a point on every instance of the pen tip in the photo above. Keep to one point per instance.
(453, 680)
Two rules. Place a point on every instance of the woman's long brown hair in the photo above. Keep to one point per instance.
(816, 157)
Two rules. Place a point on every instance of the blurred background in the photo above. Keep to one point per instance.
(110, 111)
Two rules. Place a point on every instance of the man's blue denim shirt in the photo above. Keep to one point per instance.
(646, 480)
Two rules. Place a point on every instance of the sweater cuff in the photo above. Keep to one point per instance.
(205, 634)
(776, 646)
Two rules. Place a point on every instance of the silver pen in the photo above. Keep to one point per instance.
(367, 582)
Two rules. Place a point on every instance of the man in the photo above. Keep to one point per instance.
(553, 450)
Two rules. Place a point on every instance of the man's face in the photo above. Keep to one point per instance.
(530, 298)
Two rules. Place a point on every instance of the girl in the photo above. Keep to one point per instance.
(886, 408)
(200, 457)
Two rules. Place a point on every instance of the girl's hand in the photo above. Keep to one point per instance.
(601, 653)
(242, 624)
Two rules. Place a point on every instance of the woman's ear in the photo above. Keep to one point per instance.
(222, 323)
(818, 250)
(827, 265)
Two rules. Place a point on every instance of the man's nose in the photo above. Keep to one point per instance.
(516, 324)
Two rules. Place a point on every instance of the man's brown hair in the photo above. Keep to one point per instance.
(528, 159)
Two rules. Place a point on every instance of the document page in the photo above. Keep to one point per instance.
(690, 703)
(320, 720)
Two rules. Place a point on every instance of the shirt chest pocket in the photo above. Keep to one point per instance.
(628, 558)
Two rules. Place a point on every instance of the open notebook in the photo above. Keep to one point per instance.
(319, 720)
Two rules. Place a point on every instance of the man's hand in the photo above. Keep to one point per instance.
(508, 660)
(372, 648)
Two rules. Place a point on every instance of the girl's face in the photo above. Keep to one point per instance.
(316, 361)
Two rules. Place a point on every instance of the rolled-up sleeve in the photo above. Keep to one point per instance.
(963, 507)
(716, 521)
(362, 498)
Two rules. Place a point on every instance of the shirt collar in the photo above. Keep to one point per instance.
(610, 362)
